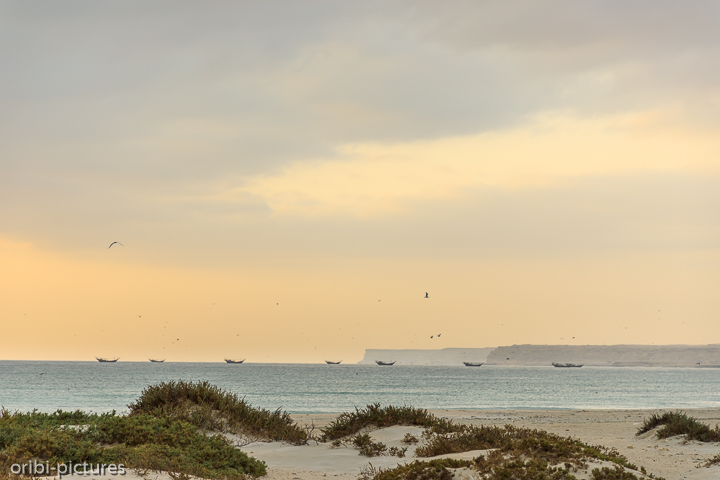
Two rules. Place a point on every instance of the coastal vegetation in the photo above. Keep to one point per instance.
(678, 423)
(191, 429)
(510, 452)
(713, 461)
(141, 442)
(437, 469)
(211, 408)
(172, 427)
(369, 448)
(349, 423)
(494, 467)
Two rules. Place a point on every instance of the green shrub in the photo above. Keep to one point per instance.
(367, 447)
(374, 415)
(678, 423)
(409, 439)
(534, 447)
(211, 408)
(140, 442)
(418, 470)
(520, 469)
(615, 473)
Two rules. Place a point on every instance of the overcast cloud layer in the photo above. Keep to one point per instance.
(143, 115)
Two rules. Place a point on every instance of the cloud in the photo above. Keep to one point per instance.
(177, 117)
(376, 179)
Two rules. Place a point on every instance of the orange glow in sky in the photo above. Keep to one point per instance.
(287, 181)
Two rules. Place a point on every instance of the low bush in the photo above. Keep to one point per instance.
(678, 423)
(367, 447)
(615, 473)
(519, 452)
(419, 470)
(140, 442)
(521, 469)
(213, 409)
(349, 423)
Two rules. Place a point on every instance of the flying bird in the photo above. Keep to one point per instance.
(439, 335)
(117, 243)
(431, 336)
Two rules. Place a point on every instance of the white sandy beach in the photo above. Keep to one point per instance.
(671, 458)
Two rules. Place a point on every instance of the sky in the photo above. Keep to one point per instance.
(288, 179)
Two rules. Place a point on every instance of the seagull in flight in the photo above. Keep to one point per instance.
(117, 243)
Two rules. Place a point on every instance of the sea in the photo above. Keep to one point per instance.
(48, 386)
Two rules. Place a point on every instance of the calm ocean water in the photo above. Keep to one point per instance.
(303, 388)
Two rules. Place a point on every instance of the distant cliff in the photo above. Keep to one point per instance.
(616, 355)
(446, 356)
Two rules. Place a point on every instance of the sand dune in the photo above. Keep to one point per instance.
(672, 458)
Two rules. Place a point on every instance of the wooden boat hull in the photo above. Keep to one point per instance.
(384, 364)
(156, 361)
(227, 360)
(472, 364)
(567, 365)
(332, 363)
(107, 360)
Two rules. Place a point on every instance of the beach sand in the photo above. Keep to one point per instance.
(670, 458)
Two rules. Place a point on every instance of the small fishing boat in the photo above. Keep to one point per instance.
(380, 362)
(156, 361)
(107, 360)
(234, 361)
(472, 364)
(330, 362)
(567, 365)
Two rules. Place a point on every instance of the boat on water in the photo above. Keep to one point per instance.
(380, 362)
(156, 361)
(567, 365)
(107, 360)
(472, 364)
(330, 362)
(234, 361)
